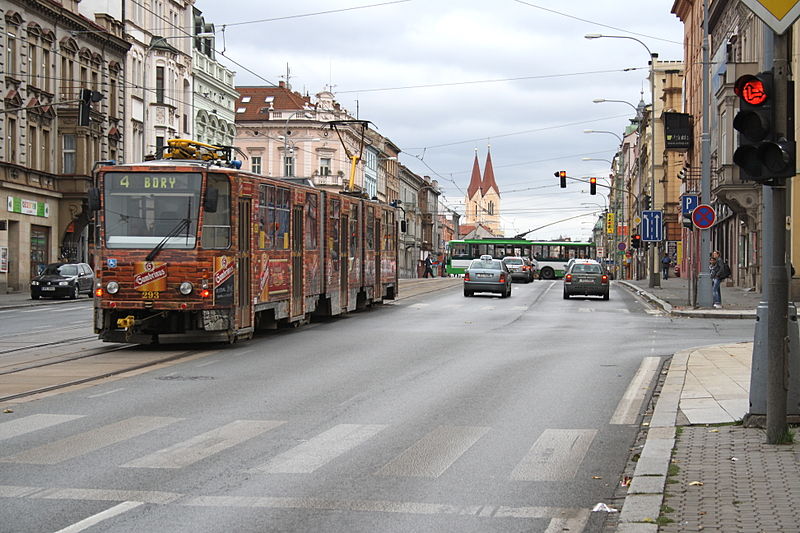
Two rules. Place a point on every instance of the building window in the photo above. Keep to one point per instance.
(255, 164)
(45, 151)
(11, 139)
(491, 208)
(112, 100)
(33, 65)
(324, 166)
(11, 58)
(159, 85)
(46, 73)
(159, 146)
(288, 166)
(245, 99)
(33, 146)
(68, 149)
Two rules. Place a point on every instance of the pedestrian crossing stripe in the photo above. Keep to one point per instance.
(555, 456)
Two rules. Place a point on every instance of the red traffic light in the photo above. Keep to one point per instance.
(751, 89)
(592, 185)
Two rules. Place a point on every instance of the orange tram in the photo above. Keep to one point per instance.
(189, 247)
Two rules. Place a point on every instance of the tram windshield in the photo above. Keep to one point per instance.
(143, 208)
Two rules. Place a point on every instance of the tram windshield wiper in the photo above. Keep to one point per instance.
(182, 224)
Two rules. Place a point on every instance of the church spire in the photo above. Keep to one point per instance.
(475, 181)
(488, 175)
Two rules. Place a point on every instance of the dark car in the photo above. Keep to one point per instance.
(487, 275)
(586, 278)
(68, 280)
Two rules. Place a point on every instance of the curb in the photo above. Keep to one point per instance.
(642, 505)
(689, 313)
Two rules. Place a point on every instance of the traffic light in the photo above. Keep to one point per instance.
(636, 241)
(592, 185)
(84, 106)
(87, 96)
(563, 175)
(763, 152)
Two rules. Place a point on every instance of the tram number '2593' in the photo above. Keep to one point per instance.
(150, 295)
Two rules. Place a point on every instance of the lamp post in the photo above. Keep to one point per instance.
(286, 133)
(654, 279)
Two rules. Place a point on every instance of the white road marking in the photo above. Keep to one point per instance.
(89, 441)
(630, 404)
(555, 456)
(205, 445)
(520, 307)
(86, 523)
(434, 453)
(575, 523)
(418, 306)
(319, 451)
(207, 363)
(105, 393)
(485, 511)
(586, 309)
(488, 308)
(28, 424)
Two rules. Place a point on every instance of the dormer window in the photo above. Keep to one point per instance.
(245, 99)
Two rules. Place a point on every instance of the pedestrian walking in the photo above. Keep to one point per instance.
(719, 270)
(666, 262)
(428, 267)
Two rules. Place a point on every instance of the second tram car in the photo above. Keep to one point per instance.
(196, 249)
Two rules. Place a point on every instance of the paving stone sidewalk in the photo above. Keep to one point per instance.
(699, 469)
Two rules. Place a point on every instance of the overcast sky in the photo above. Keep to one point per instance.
(516, 75)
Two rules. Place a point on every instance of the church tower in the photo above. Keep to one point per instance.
(482, 203)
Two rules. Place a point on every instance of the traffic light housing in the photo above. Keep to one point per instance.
(636, 241)
(592, 185)
(562, 174)
(86, 97)
(763, 152)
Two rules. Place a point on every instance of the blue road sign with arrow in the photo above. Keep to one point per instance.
(652, 226)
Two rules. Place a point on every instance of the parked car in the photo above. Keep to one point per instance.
(487, 275)
(520, 268)
(68, 280)
(586, 278)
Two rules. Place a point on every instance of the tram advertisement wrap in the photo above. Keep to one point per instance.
(149, 276)
(223, 280)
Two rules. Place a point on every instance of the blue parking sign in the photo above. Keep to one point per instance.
(689, 202)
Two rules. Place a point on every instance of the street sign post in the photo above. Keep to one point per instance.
(777, 14)
(689, 202)
(652, 226)
(704, 216)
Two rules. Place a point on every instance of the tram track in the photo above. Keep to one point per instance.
(12, 381)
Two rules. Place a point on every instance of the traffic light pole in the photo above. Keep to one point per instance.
(778, 290)
(704, 297)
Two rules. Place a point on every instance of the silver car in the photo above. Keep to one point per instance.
(487, 275)
(520, 268)
(586, 278)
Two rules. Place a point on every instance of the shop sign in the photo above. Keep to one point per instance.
(28, 207)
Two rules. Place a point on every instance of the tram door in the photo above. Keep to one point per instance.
(243, 264)
(297, 261)
(344, 261)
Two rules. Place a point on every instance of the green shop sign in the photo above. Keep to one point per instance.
(28, 207)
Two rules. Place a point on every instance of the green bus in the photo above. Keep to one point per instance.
(550, 256)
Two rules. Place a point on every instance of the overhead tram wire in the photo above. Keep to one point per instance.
(595, 23)
(329, 12)
(491, 80)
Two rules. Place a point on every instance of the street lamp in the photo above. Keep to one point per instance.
(287, 132)
(654, 279)
(604, 131)
(601, 100)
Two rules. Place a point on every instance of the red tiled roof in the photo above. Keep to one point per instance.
(475, 180)
(283, 99)
(488, 176)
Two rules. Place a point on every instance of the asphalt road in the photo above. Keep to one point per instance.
(434, 413)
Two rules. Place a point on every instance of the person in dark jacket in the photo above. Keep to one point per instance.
(715, 270)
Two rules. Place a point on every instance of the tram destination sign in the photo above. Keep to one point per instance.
(155, 182)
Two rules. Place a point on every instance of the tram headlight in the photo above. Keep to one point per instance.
(112, 287)
(186, 288)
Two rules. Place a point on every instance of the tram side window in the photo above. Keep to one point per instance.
(273, 218)
(370, 228)
(217, 225)
(312, 221)
(353, 230)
